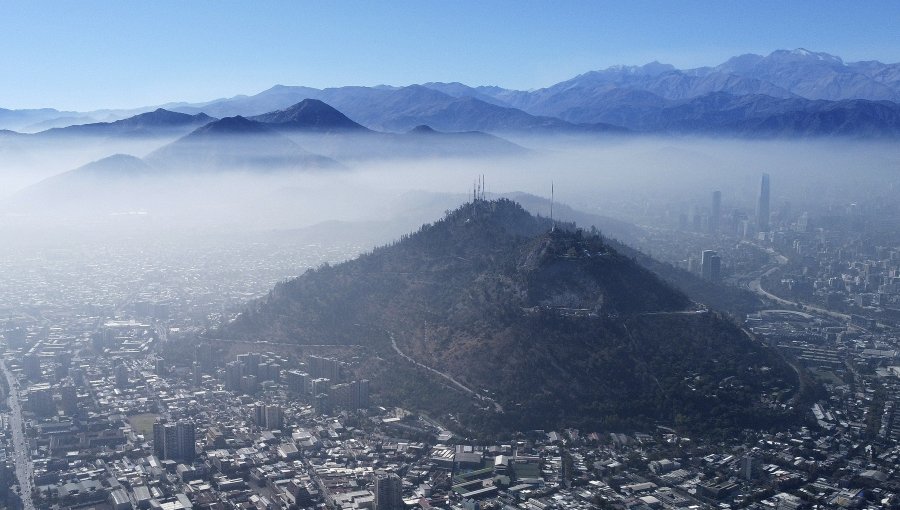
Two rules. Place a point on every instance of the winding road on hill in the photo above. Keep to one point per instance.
(446, 376)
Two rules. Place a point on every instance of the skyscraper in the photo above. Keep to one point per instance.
(362, 394)
(122, 375)
(762, 205)
(710, 265)
(174, 440)
(163, 436)
(716, 212)
(185, 435)
(233, 376)
(387, 492)
(69, 398)
(196, 374)
(324, 367)
(274, 417)
(267, 416)
(31, 365)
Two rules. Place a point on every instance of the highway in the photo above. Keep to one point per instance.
(756, 287)
(20, 448)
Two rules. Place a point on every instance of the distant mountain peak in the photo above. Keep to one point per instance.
(310, 114)
(231, 125)
(162, 116)
(651, 97)
(650, 69)
(159, 120)
(422, 92)
(422, 129)
(805, 54)
(236, 144)
(117, 163)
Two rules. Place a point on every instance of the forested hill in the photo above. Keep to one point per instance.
(482, 258)
(556, 326)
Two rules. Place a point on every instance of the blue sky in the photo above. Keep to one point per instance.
(111, 54)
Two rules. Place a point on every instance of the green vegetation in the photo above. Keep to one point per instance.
(735, 301)
(143, 424)
(553, 324)
(826, 376)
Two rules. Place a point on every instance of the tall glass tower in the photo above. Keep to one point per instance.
(762, 205)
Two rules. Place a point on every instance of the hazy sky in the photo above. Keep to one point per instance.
(96, 54)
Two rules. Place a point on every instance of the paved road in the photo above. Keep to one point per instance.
(20, 448)
(807, 316)
(756, 287)
(448, 377)
(678, 312)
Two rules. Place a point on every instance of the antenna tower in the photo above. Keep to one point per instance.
(551, 203)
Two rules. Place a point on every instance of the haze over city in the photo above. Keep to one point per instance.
(505, 255)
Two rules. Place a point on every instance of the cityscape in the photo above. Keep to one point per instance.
(465, 255)
(116, 400)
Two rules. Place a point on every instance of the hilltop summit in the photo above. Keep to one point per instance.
(312, 115)
(545, 322)
(236, 143)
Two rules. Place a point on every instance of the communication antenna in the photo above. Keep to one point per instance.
(551, 203)
(475, 198)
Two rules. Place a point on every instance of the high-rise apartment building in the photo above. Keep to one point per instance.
(175, 441)
(710, 265)
(387, 492)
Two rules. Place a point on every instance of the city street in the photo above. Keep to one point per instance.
(21, 454)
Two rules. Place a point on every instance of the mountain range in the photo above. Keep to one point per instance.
(236, 143)
(799, 93)
(538, 323)
(310, 115)
(786, 93)
(401, 109)
(275, 142)
(159, 122)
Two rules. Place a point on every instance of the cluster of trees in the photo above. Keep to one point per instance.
(479, 295)
(697, 373)
(8, 497)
